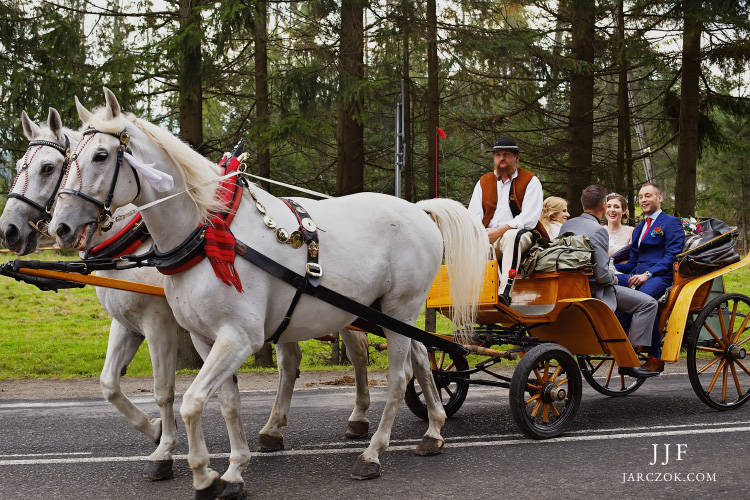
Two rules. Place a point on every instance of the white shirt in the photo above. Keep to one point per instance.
(653, 217)
(531, 209)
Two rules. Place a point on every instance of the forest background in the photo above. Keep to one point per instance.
(609, 91)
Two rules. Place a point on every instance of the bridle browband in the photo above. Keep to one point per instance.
(45, 209)
(105, 220)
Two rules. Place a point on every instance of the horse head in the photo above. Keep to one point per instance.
(39, 175)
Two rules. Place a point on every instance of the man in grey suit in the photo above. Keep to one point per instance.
(642, 307)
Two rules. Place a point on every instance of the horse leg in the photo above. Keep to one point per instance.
(226, 356)
(356, 351)
(239, 457)
(162, 343)
(288, 357)
(399, 372)
(122, 345)
(432, 442)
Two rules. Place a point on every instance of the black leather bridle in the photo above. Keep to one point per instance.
(105, 222)
(45, 209)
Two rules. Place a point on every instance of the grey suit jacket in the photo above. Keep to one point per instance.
(588, 225)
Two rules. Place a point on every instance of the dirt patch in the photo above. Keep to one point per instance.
(347, 380)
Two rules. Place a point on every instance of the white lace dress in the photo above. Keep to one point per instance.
(617, 240)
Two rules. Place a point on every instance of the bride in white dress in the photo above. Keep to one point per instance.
(620, 235)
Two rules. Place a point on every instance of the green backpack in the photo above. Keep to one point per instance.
(567, 251)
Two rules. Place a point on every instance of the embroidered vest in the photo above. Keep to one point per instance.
(488, 183)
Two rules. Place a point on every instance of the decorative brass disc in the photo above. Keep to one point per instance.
(301, 210)
(269, 221)
(260, 207)
(282, 235)
(295, 239)
(308, 224)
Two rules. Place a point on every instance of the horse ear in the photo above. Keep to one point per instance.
(30, 129)
(54, 122)
(113, 107)
(84, 114)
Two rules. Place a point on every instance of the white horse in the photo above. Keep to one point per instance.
(137, 316)
(373, 248)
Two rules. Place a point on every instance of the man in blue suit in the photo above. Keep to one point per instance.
(656, 242)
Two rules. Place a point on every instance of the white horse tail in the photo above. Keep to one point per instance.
(465, 242)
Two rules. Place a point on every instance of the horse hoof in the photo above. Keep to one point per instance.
(156, 470)
(365, 470)
(212, 492)
(268, 443)
(429, 446)
(232, 491)
(357, 430)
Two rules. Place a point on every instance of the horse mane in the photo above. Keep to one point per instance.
(200, 175)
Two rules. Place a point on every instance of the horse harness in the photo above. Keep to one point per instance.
(45, 209)
(105, 213)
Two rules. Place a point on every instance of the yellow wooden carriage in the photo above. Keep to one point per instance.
(561, 332)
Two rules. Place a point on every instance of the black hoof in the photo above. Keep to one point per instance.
(365, 470)
(268, 443)
(357, 430)
(232, 491)
(156, 470)
(212, 491)
(429, 446)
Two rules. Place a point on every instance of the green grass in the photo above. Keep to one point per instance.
(64, 334)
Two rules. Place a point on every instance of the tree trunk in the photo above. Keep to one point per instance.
(187, 357)
(581, 124)
(261, 92)
(191, 74)
(623, 109)
(350, 143)
(687, 152)
(433, 99)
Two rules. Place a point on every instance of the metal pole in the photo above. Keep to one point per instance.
(400, 153)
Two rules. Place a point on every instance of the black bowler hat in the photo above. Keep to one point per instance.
(505, 143)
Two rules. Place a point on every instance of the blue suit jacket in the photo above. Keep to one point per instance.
(657, 251)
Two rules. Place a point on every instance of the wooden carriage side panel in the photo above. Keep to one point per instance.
(439, 295)
(588, 326)
(683, 304)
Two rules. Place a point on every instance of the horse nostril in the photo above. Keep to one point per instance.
(11, 234)
(62, 231)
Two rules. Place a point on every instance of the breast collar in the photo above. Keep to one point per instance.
(125, 242)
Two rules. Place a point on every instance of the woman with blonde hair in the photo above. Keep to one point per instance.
(554, 214)
(620, 236)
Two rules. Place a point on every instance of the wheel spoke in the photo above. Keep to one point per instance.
(711, 331)
(554, 410)
(708, 349)
(736, 380)
(724, 383)
(546, 371)
(537, 405)
(532, 398)
(557, 372)
(742, 366)
(563, 381)
(724, 333)
(741, 329)
(746, 338)
(545, 416)
(709, 364)
(448, 391)
(716, 375)
(442, 360)
(595, 368)
(539, 376)
(433, 362)
(731, 320)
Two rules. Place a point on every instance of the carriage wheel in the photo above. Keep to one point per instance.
(718, 370)
(545, 391)
(452, 391)
(601, 374)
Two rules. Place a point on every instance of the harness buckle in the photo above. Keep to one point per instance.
(314, 269)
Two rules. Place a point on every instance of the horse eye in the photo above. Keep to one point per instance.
(47, 168)
(101, 156)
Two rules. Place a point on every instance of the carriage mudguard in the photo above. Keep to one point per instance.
(681, 310)
(588, 326)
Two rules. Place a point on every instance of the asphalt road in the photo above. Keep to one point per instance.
(73, 449)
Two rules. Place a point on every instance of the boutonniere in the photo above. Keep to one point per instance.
(656, 232)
